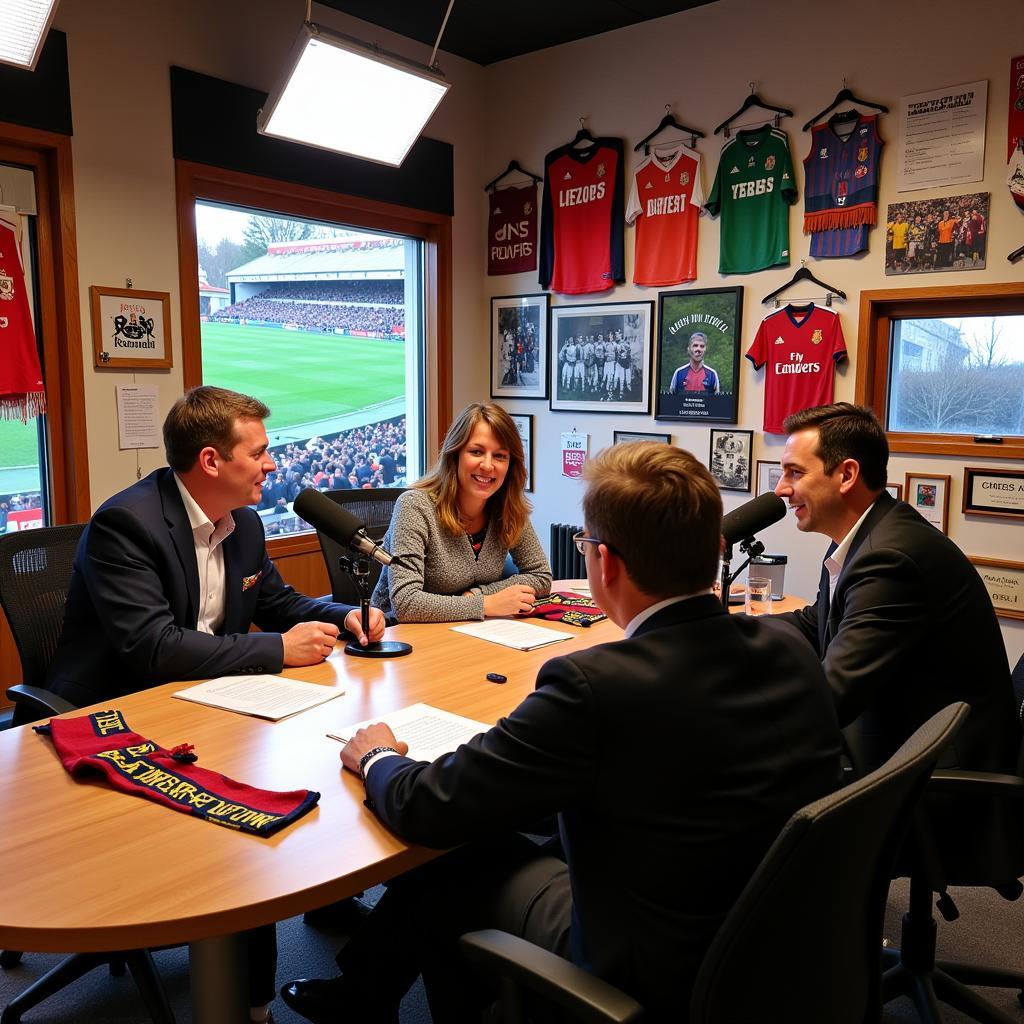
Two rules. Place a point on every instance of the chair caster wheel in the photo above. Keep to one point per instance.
(9, 958)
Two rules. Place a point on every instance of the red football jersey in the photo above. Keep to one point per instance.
(801, 345)
(581, 233)
(21, 381)
(665, 201)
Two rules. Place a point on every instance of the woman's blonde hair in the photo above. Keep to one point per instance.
(508, 507)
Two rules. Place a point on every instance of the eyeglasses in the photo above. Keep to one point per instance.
(579, 539)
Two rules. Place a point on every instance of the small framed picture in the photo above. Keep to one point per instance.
(519, 346)
(896, 490)
(768, 476)
(130, 328)
(524, 424)
(930, 496)
(601, 357)
(994, 492)
(1004, 582)
(629, 436)
(729, 459)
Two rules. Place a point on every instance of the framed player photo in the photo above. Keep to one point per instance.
(729, 459)
(698, 359)
(601, 357)
(929, 495)
(519, 346)
(924, 236)
(524, 424)
(768, 476)
(632, 436)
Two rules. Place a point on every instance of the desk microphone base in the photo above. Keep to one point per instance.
(381, 649)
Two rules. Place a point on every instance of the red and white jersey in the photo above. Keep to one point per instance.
(801, 346)
(582, 228)
(665, 201)
(21, 380)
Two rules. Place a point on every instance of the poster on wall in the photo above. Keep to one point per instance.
(942, 137)
(928, 235)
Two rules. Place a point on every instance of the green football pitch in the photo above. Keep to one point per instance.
(303, 377)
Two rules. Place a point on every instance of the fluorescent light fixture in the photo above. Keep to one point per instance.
(342, 95)
(23, 27)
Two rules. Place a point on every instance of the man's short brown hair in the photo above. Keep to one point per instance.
(660, 510)
(205, 417)
(846, 431)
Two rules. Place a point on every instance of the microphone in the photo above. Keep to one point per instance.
(338, 523)
(751, 517)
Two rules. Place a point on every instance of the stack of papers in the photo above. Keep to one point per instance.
(273, 697)
(430, 732)
(513, 633)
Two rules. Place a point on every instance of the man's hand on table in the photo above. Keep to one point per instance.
(354, 624)
(365, 740)
(309, 643)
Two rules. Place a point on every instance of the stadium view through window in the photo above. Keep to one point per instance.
(324, 324)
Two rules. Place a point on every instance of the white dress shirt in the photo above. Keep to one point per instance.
(835, 562)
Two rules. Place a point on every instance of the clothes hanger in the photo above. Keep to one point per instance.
(668, 121)
(803, 274)
(753, 100)
(844, 96)
(513, 168)
(1016, 254)
(582, 135)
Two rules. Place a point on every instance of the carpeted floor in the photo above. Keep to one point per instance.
(989, 929)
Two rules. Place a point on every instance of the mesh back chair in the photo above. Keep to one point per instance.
(826, 876)
(373, 507)
(35, 573)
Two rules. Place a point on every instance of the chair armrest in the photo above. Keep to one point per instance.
(964, 783)
(586, 997)
(37, 701)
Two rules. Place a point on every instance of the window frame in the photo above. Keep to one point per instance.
(877, 311)
(200, 182)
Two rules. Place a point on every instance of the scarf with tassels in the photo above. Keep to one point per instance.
(21, 379)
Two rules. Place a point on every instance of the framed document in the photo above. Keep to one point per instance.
(994, 492)
(930, 496)
(130, 328)
(1004, 582)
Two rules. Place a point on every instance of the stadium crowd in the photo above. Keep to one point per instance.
(380, 320)
(382, 292)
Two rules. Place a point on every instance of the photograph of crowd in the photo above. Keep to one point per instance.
(519, 346)
(928, 235)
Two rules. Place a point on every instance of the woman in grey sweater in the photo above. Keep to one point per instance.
(454, 528)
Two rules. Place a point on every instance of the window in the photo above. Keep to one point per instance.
(944, 368)
(330, 310)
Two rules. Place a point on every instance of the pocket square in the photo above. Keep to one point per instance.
(251, 581)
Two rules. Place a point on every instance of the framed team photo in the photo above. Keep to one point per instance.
(524, 424)
(601, 357)
(768, 476)
(729, 459)
(519, 346)
(925, 236)
(929, 495)
(698, 360)
(632, 436)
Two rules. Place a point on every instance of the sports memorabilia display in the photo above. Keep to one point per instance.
(21, 379)
(581, 243)
(841, 175)
(800, 347)
(1015, 132)
(665, 200)
(512, 230)
(753, 191)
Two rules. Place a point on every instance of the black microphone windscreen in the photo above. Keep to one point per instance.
(752, 517)
(327, 516)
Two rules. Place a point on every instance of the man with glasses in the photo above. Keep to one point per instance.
(672, 758)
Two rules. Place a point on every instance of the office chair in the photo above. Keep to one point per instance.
(35, 573)
(825, 876)
(374, 507)
(997, 863)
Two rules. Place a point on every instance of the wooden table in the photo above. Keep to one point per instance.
(89, 868)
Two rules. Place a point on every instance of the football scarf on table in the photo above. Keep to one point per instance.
(102, 743)
(563, 606)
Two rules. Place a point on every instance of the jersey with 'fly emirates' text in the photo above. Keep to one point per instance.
(581, 248)
(753, 191)
(801, 345)
(665, 200)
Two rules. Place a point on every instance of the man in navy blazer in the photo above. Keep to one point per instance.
(902, 622)
(672, 758)
(171, 572)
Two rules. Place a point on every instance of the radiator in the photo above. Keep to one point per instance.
(566, 562)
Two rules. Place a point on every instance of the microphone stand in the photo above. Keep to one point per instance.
(751, 548)
(359, 570)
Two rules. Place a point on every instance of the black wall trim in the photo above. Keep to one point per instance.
(215, 123)
(41, 98)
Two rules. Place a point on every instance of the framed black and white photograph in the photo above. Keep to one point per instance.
(601, 357)
(929, 495)
(698, 362)
(519, 346)
(632, 436)
(729, 459)
(524, 424)
(768, 476)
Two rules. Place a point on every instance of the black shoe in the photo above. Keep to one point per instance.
(346, 915)
(321, 1001)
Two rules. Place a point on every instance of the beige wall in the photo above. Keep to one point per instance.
(700, 62)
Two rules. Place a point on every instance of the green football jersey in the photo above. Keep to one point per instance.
(753, 191)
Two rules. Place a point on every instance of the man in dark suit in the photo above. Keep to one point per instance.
(171, 572)
(902, 623)
(672, 758)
